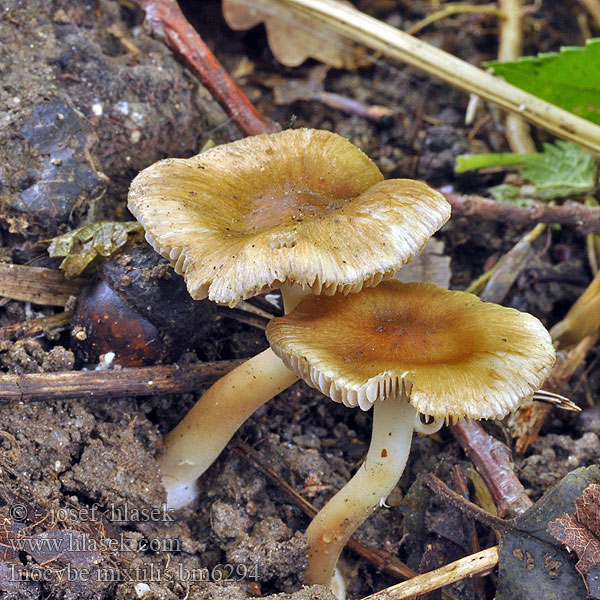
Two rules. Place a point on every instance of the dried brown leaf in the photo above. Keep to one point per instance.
(293, 40)
(580, 532)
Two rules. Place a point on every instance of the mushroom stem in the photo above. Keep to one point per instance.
(393, 421)
(207, 428)
(291, 294)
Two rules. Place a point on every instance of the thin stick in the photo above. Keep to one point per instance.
(584, 218)
(460, 484)
(168, 23)
(510, 48)
(380, 36)
(134, 381)
(438, 487)
(34, 327)
(455, 571)
(493, 461)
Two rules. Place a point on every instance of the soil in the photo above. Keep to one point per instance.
(87, 100)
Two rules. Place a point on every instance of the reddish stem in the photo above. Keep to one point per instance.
(492, 459)
(168, 22)
(575, 214)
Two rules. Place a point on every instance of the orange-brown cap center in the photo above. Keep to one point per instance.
(415, 335)
(452, 353)
(284, 204)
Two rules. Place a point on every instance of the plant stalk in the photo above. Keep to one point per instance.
(384, 38)
(206, 429)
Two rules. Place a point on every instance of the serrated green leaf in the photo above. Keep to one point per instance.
(507, 192)
(562, 169)
(570, 78)
(81, 246)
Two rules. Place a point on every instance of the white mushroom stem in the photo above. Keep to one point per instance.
(203, 433)
(206, 429)
(393, 423)
(291, 294)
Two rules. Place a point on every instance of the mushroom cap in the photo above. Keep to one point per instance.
(304, 206)
(452, 354)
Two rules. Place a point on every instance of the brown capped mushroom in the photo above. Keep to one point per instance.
(408, 350)
(302, 210)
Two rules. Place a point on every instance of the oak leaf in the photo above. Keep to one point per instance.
(293, 38)
(580, 532)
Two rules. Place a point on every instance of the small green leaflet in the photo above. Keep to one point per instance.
(81, 246)
(507, 192)
(561, 170)
(570, 78)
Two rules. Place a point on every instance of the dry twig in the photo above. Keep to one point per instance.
(168, 23)
(134, 381)
(493, 461)
(574, 214)
(438, 487)
(460, 484)
(34, 327)
(451, 573)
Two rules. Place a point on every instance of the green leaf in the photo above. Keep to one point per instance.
(570, 78)
(81, 246)
(562, 169)
(507, 192)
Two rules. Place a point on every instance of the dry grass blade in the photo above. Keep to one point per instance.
(40, 286)
(455, 571)
(402, 46)
(556, 400)
(510, 47)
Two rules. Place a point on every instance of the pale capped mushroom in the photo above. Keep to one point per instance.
(302, 210)
(409, 350)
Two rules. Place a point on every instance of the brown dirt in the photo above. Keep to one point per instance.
(87, 100)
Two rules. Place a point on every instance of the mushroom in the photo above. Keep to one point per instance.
(301, 210)
(410, 350)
